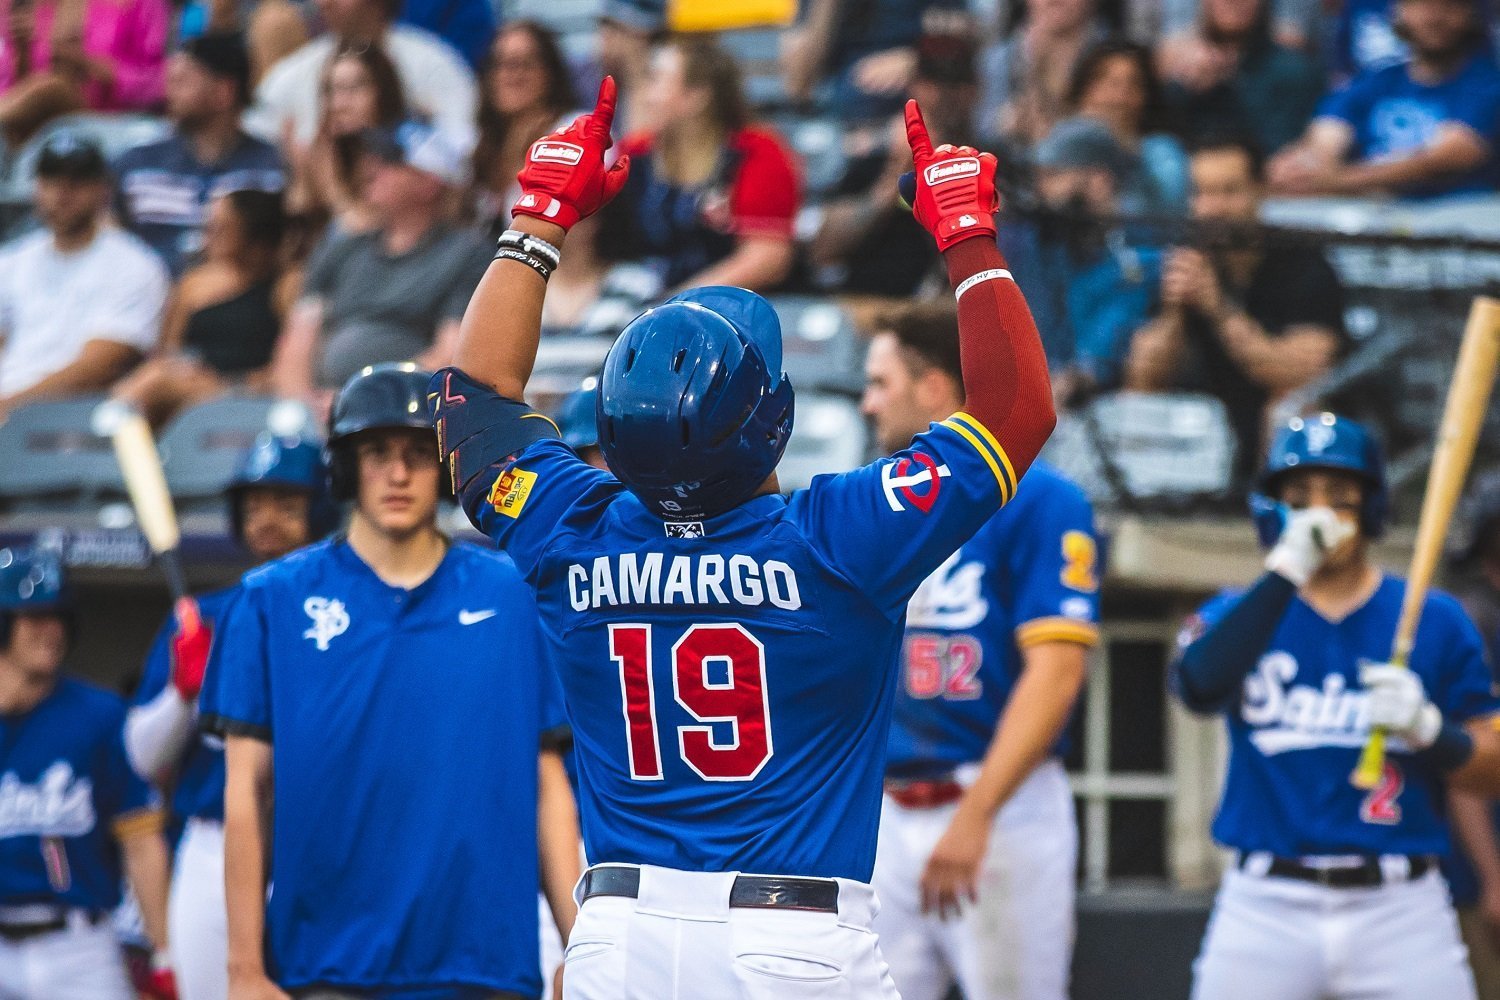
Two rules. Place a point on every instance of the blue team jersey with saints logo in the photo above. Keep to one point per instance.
(198, 782)
(405, 726)
(729, 681)
(67, 794)
(1296, 731)
(1030, 575)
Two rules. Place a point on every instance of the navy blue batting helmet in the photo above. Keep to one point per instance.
(378, 397)
(32, 581)
(578, 417)
(1321, 441)
(694, 412)
(287, 462)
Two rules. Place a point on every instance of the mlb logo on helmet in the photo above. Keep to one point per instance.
(510, 491)
(898, 479)
(951, 170)
(556, 152)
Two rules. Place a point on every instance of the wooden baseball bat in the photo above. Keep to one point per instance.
(1463, 417)
(140, 467)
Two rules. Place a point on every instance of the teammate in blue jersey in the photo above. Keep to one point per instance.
(383, 700)
(1335, 892)
(977, 807)
(727, 654)
(72, 812)
(277, 501)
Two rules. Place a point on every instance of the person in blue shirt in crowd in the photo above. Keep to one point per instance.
(467, 25)
(383, 704)
(1088, 282)
(278, 501)
(163, 188)
(1423, 128)
(71, 809)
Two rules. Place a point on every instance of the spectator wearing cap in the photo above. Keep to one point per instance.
(1421, 129)
(163, 188)
(1242, 321)
(1228, 74)
(711, 198)
(397, 292)
(1088, 286)
(867, 242)
(57, 56)
(436, 81)
(80, 300)
(225, 314)
(1025, 77)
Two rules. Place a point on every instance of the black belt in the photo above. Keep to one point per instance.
(38, 920)
(774, 892)
(1368, 874)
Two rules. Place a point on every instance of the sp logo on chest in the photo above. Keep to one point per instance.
(330, 619)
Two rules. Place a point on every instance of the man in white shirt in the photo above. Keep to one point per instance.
(435, 79)
(80, 300)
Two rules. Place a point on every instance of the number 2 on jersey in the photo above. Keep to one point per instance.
(718, 677)
(1380, 806)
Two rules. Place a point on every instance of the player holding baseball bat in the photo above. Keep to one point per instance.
(1334, 892)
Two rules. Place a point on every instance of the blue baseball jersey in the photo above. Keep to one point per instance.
(1296, 732)
(1029, 576)
(405, 727)
(198, 783)
(729, 681)
(67, 795)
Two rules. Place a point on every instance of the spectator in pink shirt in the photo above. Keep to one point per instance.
(58, 56)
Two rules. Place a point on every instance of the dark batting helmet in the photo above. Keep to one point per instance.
(284, 462)
(379, 397)
(1321, 441)
(32, 581)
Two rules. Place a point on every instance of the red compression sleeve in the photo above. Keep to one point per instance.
(1006, 385)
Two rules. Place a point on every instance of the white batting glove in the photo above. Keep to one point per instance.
(1398, 703)
(1310, 534)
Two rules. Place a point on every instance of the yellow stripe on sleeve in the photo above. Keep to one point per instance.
(984, 432)
(1056, 629)
(1006, 489)
(138, 823)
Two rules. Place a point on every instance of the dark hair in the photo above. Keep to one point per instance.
(928, 335)
(1091, 67)
(560, 97)
(223, 54)
(1218, 142)
(262, 216)
(704, 64)
(390, 99)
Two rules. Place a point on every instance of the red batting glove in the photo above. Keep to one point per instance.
(190, 647)
(162, 985)
(564, 179)
(954, 192)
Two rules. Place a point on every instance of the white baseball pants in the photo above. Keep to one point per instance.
(1293, 940)
(81, 962)
(680, 940)
(1017, 942)
(196, 914)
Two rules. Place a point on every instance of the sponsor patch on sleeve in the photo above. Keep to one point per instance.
(508, 495)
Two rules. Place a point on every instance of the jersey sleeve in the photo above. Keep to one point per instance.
(1054, 563)
(1209, 614)
(510, 471)
(236, 695)
(1464, 688)
(886, 526)
(157, 670)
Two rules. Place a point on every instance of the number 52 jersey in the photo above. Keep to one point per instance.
(729, 682)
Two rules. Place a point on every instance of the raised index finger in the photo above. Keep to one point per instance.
(916, 131)
(603, 117)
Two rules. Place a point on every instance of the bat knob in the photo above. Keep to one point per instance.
(108, 416)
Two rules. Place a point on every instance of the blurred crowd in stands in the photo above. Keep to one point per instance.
(327, 174)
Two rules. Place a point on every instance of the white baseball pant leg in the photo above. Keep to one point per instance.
(1292, 940)
(551, 941)
(680, 940)
(1017, 942)
(81, 962)
(196, 914)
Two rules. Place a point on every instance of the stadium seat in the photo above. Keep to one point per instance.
(819, 143)
(829, 436)
(203, 446)
(823, 349)
(49, 450)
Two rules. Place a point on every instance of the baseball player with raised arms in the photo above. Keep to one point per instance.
(383, 702)
(1334, 892)
(277, 502)
(978, 840)
(71, 809)
(728, 655)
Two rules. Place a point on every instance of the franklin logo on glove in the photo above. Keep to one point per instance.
(952, 170)
(556, 152)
